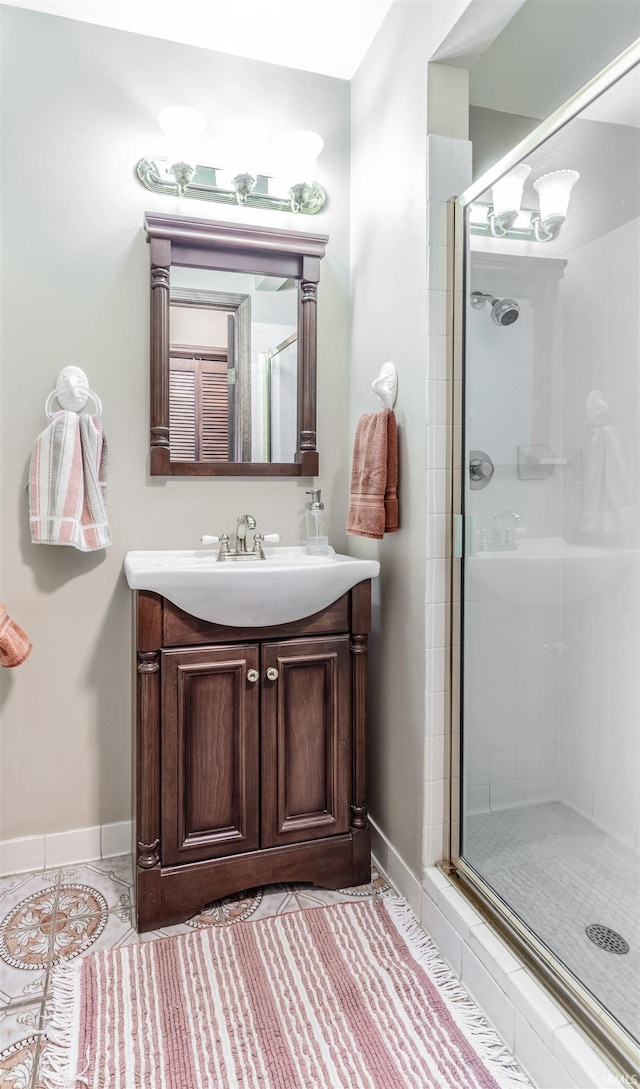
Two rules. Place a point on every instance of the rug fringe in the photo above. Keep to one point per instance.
(59, 1066)
(467, 1015)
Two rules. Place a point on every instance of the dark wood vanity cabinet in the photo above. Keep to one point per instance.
(249, 755)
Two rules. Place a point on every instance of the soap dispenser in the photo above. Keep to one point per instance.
(316, 519)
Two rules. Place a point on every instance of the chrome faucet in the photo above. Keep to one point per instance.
(240, 552)
(503, 535)
(245, 522)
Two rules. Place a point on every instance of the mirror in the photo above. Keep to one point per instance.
(233, 349)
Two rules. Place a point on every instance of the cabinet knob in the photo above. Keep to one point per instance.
(253, 676)
(272, 674)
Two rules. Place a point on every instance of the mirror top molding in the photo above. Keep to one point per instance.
(235, 248)
(233, 236)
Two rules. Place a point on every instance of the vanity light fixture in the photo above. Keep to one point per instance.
(285, 183)
(554, 191)
(507, 198)
(183, 128)
(505, 218)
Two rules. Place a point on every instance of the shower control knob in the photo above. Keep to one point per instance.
(480, 469)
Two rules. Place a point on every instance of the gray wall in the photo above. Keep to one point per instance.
(389, 300)
(79, 109)
(545, 54)
(548, 51)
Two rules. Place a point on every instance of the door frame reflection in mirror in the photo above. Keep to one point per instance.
(232, 247)
(238, 366)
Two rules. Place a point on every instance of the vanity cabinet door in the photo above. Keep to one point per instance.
(210, 752)
(306, 739)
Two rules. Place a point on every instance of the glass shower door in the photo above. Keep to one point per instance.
(550, 713)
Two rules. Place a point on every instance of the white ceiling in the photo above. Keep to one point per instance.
(329, 37)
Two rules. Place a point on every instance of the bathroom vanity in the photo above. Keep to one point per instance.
(249, 753)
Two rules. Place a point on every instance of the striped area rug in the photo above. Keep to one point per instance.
(349, 996)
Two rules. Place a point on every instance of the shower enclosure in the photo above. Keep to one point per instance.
(545, 820)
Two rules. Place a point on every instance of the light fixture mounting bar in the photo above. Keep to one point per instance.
(532, 232)
(311, 201)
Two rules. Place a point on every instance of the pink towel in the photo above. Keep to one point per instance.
(373, 510)
(14, 644)
(67, 484)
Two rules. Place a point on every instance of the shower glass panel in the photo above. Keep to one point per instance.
(549, 799)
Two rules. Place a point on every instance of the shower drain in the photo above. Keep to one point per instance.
(606, 938)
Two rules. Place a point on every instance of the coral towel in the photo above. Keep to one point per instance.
(67, 484)
(373, 510)
(14, 644)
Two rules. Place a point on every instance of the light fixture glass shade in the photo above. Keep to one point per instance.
(296, 158)
(507, 191)
(243, 147)
(554, 191)
(183, 128)
(478, 214)
(305, 148)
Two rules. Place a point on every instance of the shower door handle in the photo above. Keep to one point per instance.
(481, 469)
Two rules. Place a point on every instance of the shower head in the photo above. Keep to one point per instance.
(503, 311)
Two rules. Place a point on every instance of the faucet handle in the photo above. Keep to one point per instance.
(261, 538)
(222, 540)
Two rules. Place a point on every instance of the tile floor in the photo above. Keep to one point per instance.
(53, 916)
(560, 873)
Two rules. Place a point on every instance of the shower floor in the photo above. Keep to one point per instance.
(560, 874)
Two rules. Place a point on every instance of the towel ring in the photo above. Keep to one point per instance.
(386, 385)
(72, 391)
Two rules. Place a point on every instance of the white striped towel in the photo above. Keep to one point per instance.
(67, 484)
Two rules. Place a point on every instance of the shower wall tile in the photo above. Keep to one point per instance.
(511, 703)
(438, 447)
(437, 394)
(477, 741)
(438, 536)
(437, 625)
(489, 995)
(436, 714)
(478, 799)
(503, 766)
(437, 265)
(437, 669)
(508, 794)
(437, 585)
(437, 312)
(438, 490)
(600, 748)
(541, 788)
(437, 226)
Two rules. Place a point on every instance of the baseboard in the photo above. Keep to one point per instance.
(396, 869)
(64, 848)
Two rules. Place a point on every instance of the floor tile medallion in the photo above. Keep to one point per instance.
(229, 910)
(17, 1063)
(61, 923)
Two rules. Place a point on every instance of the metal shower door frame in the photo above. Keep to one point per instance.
(605, 1033)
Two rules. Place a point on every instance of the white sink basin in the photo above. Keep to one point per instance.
(287, 585)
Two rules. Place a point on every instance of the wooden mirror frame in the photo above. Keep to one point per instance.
(232, 247)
